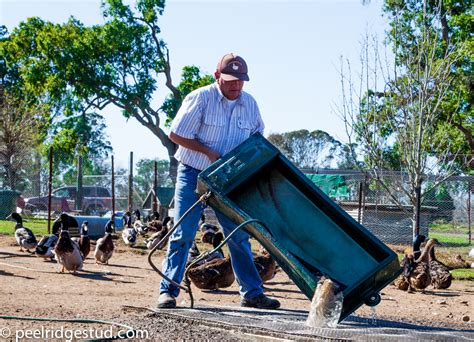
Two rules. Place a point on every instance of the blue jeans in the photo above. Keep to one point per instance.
(180, 241)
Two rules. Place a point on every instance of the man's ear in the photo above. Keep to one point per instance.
(217, 74)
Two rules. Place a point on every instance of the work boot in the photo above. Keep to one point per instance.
(260, 302)
(166, 301)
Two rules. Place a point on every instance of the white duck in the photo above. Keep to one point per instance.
(24, 236)
(138, 225)
(129, 234)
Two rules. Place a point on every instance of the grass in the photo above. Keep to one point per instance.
(451, 240)
(441, 227)
(463, 274)
(38, 226)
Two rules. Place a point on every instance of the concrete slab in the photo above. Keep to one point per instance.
(290, 325)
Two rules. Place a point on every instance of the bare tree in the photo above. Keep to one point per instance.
(391, 109)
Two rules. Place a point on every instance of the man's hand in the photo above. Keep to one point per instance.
(213, 156)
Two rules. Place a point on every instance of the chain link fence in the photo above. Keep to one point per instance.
(447, 208)
(80, 188)
(45, 187)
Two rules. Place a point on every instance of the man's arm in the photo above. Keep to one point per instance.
(194, 145)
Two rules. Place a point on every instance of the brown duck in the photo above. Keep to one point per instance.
(441, 278)
(416, 273)
(401, 282)
(214, 274)
(265, 264)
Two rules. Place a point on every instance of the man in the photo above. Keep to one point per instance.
(211, 121)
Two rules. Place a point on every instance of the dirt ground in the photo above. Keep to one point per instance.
(31, 287)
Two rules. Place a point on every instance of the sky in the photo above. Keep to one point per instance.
(292, 48)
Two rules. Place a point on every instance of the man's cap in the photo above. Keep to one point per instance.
(233, 67)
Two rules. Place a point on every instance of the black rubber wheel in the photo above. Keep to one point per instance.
(373, 299)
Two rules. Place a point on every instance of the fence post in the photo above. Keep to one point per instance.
(359, 213)
(469, 190)
(418, 209)
(130, 183)
(50, 186)
(155, 187)
(79, 184)
(113, 186)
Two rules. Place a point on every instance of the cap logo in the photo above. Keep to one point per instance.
(235, 67)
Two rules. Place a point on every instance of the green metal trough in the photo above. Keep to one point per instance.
(304, 230)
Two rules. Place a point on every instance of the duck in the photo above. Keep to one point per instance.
(213, 274)
(156, 225)
(129, 234)
(458, 262)
(68, 253)
(416, 272)
(23, 236)
(265, 264)
(45, 247)
(157, 237)
(441, 278)
(193, 254)
(138, 225)
(208, 230)
(84, 240)
(152, 216)
(401, 282)
(417, 241)
(104, 247)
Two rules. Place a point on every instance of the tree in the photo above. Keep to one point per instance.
(117, 63)
(451, 22)
(78, 135)
(394, 115)
(19, 136)
(145, 177)
(313, 150)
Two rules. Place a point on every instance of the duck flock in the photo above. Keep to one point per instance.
(422, 269)
(212, 271)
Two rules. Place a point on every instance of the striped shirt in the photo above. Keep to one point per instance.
(206, 115)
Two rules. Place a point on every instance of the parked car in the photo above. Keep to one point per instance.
(96, 200)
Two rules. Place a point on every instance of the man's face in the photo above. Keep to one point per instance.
(230, 89)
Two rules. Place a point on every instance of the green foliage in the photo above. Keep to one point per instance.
(74, 69)
(452, 23)
(144, 180)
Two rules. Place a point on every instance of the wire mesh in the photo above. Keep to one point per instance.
(84, 188)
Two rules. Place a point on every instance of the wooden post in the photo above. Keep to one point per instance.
(359, 213)
(130, 183)
(79, 184)
(469, 225)
(155, 187)
(113, 193)
(50, 187)
(418, 210)
(113, 185)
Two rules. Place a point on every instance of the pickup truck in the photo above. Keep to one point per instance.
(96, 200)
